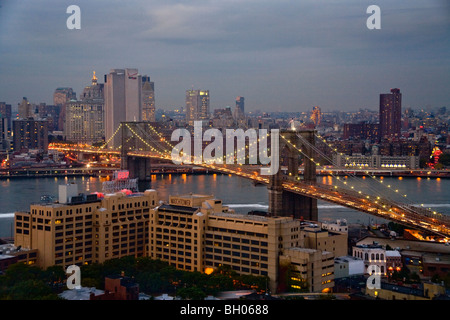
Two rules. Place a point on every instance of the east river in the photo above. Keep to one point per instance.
(238, 193)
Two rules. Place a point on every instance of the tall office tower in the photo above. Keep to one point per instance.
(60, 97)
(123, 101)
(5, 112)
(239, 110)
(85, 118)
(197, 105)
(390, 113)
(25, 109)
(30, 134)
(148, 99)
(3, 132)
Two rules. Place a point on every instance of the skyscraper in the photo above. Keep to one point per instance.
(148, 99)
(123, 100)
(5, 113)
(390, 113)
(60, 97)
(197, 105)
(239, 110)
(25, 109)
(84, 118)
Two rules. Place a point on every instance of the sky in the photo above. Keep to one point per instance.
(280, 55)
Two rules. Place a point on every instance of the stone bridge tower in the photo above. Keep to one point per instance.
(285, 203)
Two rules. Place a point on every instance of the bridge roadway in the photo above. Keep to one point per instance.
(407, 215)
(411, 216)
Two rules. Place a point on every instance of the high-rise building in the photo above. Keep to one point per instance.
(239, 111)
(148, 99)
(390, 113)
(85, 118)
(94, 91)
(123, 100)
(5, 112)
(60, 97)
(30, 134)
(51, 113)
(25, 109)
(197, 105)
(84, 122)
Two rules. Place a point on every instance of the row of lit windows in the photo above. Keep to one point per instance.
(238, 266)
(241, 232)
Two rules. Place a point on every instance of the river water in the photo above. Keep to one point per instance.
(238, 193)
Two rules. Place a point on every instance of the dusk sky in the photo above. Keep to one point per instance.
(280, 55)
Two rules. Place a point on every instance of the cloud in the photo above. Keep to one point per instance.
(288, 53)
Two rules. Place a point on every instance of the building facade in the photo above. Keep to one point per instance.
(148, 99)
(239, 110)
(376, 161)
(197, 233)
(30, 134)
(191, 232)
(390, 113)
(123, 100)
(372, 255)
(85, 229)
(85, 117)
(5, 113)
(197, 105)
(84, 122)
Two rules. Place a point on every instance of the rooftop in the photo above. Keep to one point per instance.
(84, 293)
(178, 209)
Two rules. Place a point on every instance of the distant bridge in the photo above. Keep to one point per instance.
(289, 192)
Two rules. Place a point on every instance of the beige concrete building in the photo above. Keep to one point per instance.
(84, 121)
(192, 232)
(315, 267)
(84, 229)
(389, 291)
(197, 233)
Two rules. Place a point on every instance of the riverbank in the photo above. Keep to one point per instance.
(190, 169)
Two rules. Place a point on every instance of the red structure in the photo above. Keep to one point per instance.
(119, 288)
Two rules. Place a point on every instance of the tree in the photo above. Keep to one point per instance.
(31, 290)
(21, 272)
(54, 275)
(191, 293)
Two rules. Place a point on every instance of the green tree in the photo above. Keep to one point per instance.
(31, 290)
(21, 272)
(191, 293)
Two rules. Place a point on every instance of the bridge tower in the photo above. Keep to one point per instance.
(138, 167)
(285, 203)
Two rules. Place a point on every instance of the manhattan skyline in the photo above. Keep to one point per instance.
(280, 55)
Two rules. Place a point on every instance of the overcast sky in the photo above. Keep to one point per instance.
(280, 55)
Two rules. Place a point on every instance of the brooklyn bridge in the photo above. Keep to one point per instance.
(292, 191)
